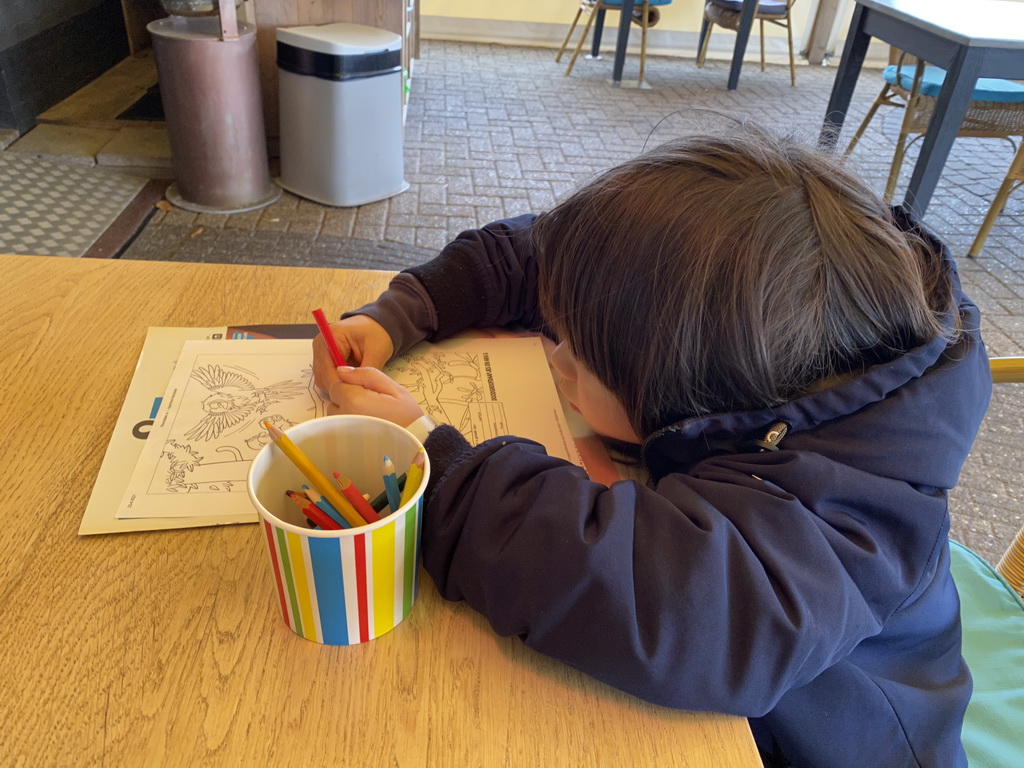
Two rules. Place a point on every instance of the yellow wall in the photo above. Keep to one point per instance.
(681, 15)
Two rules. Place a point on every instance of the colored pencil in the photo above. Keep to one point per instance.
(329, 340)
(380, 501)
(353, 495)
(302, 495)
(414, 476)
(318, 498)
(316, 477)
(391, 485)
(313, 512)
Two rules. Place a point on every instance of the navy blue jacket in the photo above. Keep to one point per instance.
(807, 589)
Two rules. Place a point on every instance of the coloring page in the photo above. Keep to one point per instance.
(209, 427)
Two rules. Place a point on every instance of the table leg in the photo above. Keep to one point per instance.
(626, 16)
(846, 80)
(742, 36)
(595, 49)
(950, 108)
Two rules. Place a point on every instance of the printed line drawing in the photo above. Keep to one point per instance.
(486, 386)
(234, 400)
(218, 428)
(452, 388)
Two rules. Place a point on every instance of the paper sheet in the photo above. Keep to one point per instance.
(208, 429)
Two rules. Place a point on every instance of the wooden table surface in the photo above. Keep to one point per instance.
(167, 648)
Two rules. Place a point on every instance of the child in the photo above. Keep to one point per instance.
(804, 377)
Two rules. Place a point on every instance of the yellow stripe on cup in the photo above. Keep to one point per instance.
(383, 579)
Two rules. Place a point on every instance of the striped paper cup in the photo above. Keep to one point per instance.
(349, 586)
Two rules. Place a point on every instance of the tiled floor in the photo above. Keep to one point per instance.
(496, 131)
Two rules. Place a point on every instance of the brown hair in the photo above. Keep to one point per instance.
(732, 272)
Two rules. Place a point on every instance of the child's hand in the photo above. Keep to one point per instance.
(362, 341)
(369, 392)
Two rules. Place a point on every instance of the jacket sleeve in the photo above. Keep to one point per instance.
(653, 591)
(483, 278)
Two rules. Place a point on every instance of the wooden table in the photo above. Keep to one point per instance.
(167, 648)
(982, 38)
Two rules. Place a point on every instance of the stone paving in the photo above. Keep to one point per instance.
(495, 131)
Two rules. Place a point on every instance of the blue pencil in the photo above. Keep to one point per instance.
(391, 485)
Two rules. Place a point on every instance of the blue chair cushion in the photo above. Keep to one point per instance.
(986, 89)
(637, 3)
(764, 7)
(992, 615)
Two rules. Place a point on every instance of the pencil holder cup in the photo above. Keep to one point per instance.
(340, 587)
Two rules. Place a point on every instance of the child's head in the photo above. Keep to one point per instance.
(732, 272)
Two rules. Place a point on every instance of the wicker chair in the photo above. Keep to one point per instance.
(996, 111)
(726, 13)
(1014, 178)
(644, 13)
(1011, 565)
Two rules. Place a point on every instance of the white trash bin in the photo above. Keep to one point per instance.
(341, 113)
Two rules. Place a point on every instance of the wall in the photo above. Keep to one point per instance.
(527, 22)
(680, 15)
(51, 48)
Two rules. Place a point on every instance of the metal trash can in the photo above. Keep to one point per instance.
(210, 88)
(341, 113)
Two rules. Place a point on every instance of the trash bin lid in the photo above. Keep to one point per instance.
(340, 39)
(194, 28)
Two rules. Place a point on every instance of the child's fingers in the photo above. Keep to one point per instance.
(371, 379)
(324, 371)
(370, 392)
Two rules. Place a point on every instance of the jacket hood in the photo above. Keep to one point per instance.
(931, 401)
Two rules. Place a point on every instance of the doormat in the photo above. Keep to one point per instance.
(57, 209)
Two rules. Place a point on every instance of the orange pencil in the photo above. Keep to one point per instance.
(313, 512)
(300, 500)
(352, 494)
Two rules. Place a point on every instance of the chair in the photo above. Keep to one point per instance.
(644, 14)
(1014, 178)
(1011, 565)
(992, 617)
(996, 111)
(726, 13)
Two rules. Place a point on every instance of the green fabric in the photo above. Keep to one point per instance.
(993, 625)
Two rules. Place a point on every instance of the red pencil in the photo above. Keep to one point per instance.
(356, 498)
(313, 512)
(329, 340)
